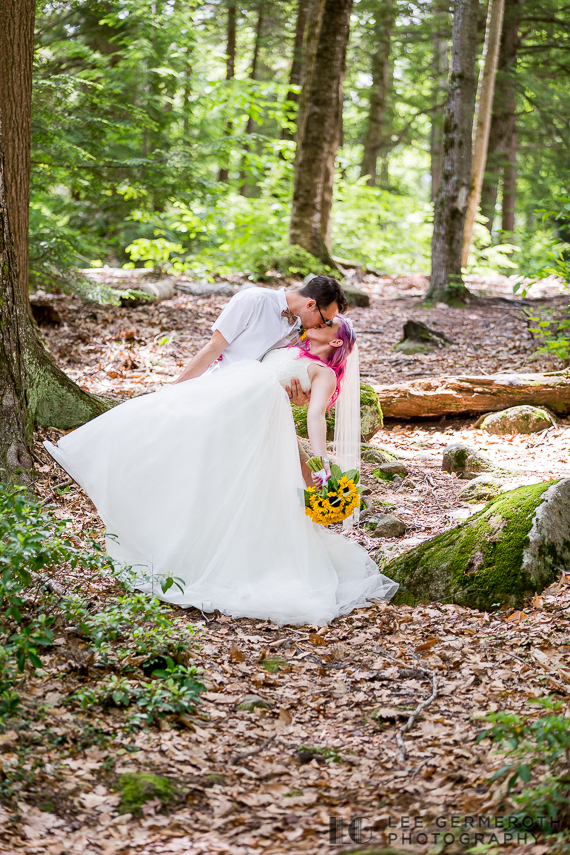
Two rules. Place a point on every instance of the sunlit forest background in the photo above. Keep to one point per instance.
(161, 139)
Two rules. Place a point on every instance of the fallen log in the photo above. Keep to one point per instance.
(464, 395)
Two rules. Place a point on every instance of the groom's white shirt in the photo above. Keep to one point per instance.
(252, 324)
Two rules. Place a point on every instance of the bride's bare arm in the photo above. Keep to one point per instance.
(204, 358)
(323, 384)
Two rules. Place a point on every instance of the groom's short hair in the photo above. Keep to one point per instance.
(325, 290)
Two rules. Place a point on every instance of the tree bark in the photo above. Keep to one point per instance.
(510, 178)
(483, 111)
(377, 131)
(297, 62)
(310, 44)
(17, 18)
(252, 76)
(223, 173)
(502, 137)
(446, 284)
(440, 71)
(320, 136)
(467, 395)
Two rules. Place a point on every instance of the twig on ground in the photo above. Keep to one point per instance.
(236, 758)
(403, 754)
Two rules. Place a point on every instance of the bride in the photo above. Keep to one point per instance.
(201, 482)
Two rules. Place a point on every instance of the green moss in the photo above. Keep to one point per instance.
(371, 417)
(383, 476)
(274, 664)
(479, 562)
(137, 788)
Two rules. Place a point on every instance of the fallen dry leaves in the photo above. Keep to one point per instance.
(325, 745)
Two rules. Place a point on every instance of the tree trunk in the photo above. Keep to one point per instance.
(446, 284)
(296, 65)
(252, 76)
(466, 395)
(440, 71)
(502, 138)
(320, 135)
(377, 131)
(223, 174)
(510, 178)
(17, 18)
(310, 44)
(485, 94)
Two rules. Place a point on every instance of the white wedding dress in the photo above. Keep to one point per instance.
(202, 481)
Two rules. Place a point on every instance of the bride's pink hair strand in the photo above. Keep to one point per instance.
(338, 355)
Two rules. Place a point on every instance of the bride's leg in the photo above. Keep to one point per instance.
(303, 456)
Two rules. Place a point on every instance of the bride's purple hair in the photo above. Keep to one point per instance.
(337, 356)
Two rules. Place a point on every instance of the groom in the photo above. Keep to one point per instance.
(259, 319)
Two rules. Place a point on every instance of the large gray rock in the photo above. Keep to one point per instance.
(523, 419)
(468, 462)
(513, 548)
(481, 489)
(371, 454)
(386, 525)
(355, 296)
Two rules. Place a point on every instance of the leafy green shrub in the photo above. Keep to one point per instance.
(174, 690)
(540, 748)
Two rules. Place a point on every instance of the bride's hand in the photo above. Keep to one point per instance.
(296, 394)
(322, 476)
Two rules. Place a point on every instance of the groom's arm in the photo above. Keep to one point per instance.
(204, 358)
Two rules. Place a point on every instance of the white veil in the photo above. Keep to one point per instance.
(347, 423)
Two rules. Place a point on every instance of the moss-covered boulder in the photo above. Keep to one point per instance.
(481, 489)
(137, 788)
(514, 547)
(371, 419)
(371, 454)
(469, 462)
(523, 419)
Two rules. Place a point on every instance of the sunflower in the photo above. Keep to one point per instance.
(336, 500)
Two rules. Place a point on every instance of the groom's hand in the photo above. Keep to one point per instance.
(296, 394)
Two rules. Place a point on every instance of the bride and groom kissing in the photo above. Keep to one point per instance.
(200, 481)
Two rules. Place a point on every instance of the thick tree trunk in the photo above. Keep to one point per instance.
(377, 132)
(446, 284)
(223, 173)
(466, 395)
(440, 71)
(320, 135)
(310, 45)
(252, 76)
(483, 111)
(296, 64)
(502, 138)
(17, 18)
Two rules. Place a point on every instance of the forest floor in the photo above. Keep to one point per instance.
(325, 746)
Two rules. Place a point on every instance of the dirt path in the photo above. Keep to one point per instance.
(326, 744)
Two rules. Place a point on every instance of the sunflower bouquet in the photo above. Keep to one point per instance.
(336, 499)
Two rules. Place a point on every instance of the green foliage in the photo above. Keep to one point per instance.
(31, 540)
(133, 118)
(174, 691)
(540, 748)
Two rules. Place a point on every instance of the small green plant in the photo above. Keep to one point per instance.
(540, 748)
(175, 690)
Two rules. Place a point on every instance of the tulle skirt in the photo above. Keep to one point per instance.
(202, 481)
